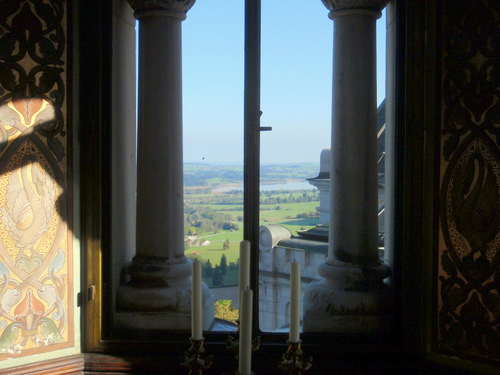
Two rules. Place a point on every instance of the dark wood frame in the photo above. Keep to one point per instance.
(94, 59)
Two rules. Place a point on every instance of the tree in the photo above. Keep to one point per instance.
(223, 263)
(209, 270)
(217, 278)
(229, 226)
(224, 309)
(226, 245)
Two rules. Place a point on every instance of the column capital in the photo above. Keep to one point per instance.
(166, 8)
(343, 7)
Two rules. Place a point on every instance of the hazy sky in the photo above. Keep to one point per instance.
(296, 89)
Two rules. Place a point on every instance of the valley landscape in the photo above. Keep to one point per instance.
(213, 211)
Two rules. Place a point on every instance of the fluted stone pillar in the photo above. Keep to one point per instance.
(158, 280)
(351, 296)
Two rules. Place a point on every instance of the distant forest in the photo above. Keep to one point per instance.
(205, 219)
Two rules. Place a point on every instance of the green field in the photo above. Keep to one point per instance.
(268, 215)
(214, 250)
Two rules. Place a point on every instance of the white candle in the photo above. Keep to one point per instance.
(294, 335)
(245, 345)
(244, 268)
(196, 302)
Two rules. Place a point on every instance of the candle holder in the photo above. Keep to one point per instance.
(193, 358)
(233, 342)
(293, 361)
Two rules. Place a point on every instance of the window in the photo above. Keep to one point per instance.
(324, 340)
(213, 235)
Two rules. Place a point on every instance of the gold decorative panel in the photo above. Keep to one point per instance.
(468, 316)
(36, 272)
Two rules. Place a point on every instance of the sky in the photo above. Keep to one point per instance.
(296, 76)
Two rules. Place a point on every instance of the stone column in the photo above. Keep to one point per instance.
(352, 297)
(158, 280)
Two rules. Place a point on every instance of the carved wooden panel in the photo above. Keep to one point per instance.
(468, 316)
(36, 278)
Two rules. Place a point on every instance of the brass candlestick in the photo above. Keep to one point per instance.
(232, 342)
(193, 358)
(233, 345)
(293, 360)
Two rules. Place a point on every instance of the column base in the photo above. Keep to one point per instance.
(347, 302)
(157, 295)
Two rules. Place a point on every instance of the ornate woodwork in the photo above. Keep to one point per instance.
(468, 316)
